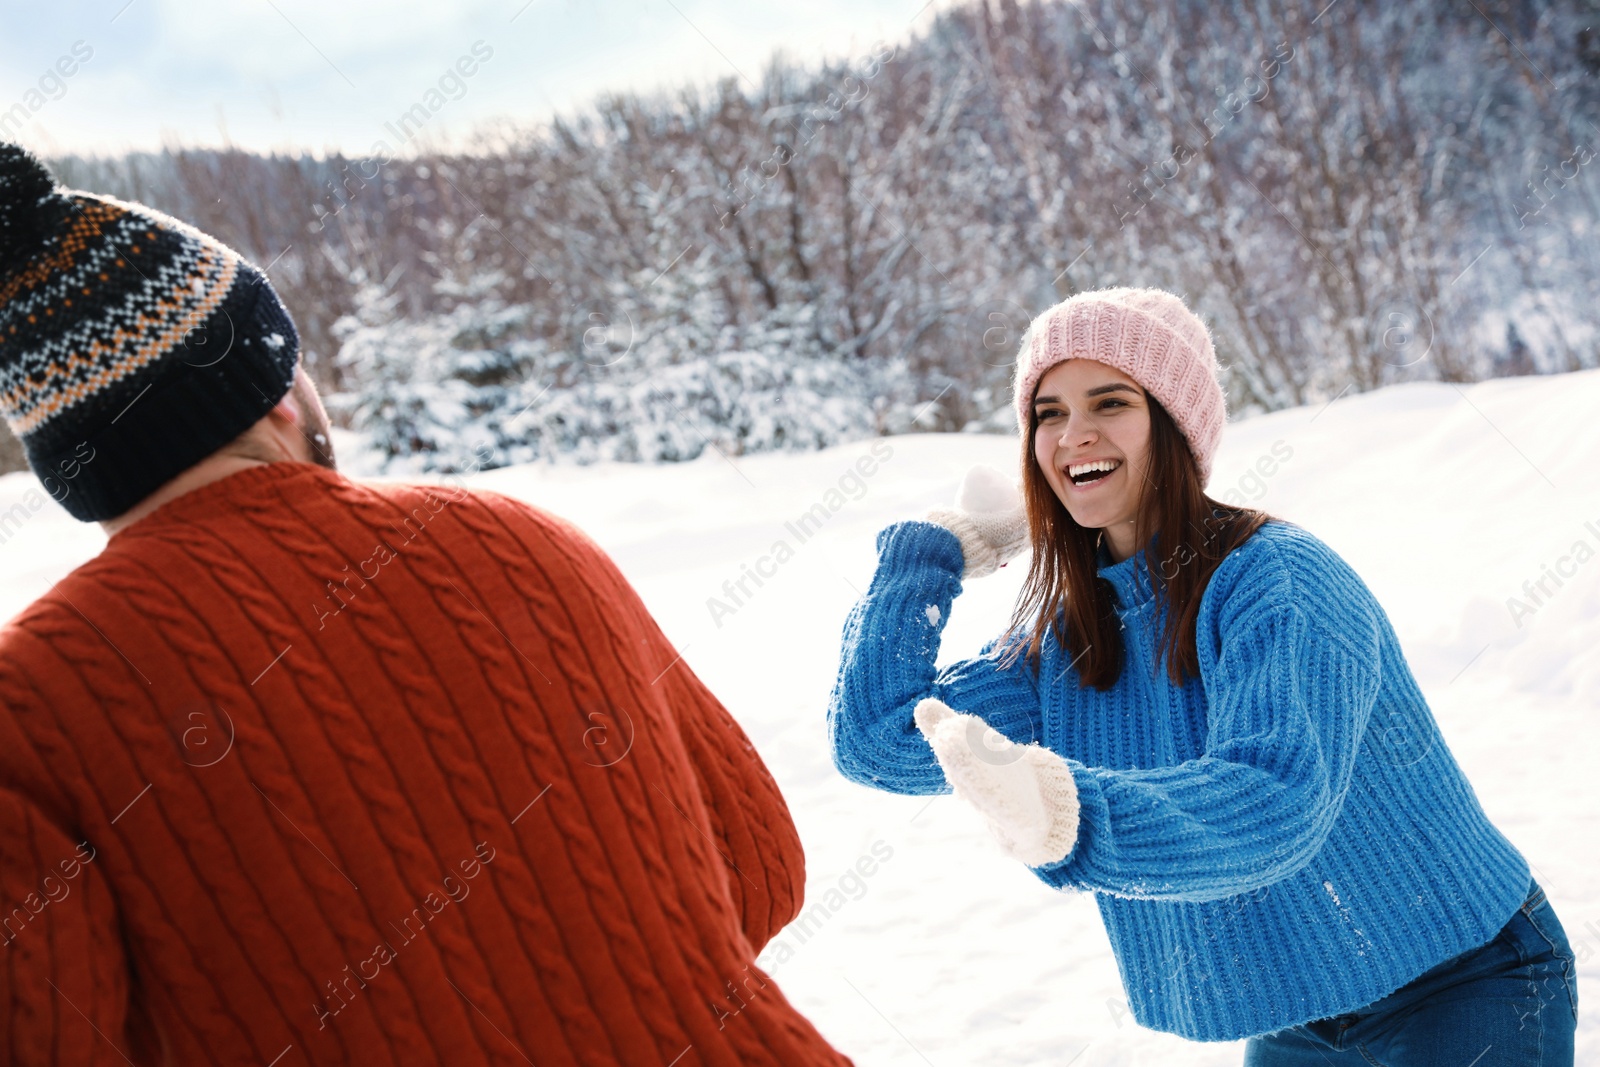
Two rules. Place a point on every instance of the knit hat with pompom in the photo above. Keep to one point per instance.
(1147, 334)
(132, 345)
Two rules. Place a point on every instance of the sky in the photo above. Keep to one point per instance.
(104, 77)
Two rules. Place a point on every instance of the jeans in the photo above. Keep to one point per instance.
(1511, 1002)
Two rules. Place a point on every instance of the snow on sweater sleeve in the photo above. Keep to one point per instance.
(887, 665)
(1288, 701)
(64, 975)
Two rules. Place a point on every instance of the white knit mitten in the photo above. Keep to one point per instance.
(1026, 793)
(989, 518)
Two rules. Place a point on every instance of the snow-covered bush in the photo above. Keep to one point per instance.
(432, 387)
(654, 379)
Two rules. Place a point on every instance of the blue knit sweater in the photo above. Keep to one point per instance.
(1284, 838)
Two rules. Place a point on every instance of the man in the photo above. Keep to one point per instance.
(304, 770)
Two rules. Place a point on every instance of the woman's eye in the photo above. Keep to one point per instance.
(1046, 414)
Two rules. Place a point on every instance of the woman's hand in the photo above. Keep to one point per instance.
(989, 518)
(1025, 792)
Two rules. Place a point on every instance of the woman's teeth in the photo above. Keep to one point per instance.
(1087, 474)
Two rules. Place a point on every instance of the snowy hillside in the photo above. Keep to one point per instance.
(1449, 501)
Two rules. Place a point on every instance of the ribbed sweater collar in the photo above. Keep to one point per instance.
(1129, 577)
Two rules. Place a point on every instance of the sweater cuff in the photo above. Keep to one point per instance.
(916, 541)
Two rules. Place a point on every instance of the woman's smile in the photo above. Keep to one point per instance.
(1092, 442)
(1091, 474)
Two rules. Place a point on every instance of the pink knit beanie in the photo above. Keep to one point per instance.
(1147, 334)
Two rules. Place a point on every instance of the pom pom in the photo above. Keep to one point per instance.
(985, 489)
(29, 210)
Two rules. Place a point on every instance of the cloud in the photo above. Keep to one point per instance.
(307, 74)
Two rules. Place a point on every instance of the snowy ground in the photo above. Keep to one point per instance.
(1445, 499)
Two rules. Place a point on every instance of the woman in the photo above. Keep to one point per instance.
(1280, 843)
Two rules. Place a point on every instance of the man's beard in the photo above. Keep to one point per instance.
(318, 434)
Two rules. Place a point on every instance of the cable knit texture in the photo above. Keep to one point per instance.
(304, 770)
(1284, 838)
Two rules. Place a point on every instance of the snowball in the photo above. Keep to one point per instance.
(987, 489)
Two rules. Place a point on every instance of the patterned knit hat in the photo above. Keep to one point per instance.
(1147, 334)
(131, 344)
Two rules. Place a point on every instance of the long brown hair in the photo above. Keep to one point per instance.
(1193, 532)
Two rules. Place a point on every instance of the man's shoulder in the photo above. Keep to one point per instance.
(57, 612)
(488, 510)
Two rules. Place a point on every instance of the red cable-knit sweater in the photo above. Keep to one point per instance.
(306, 770)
